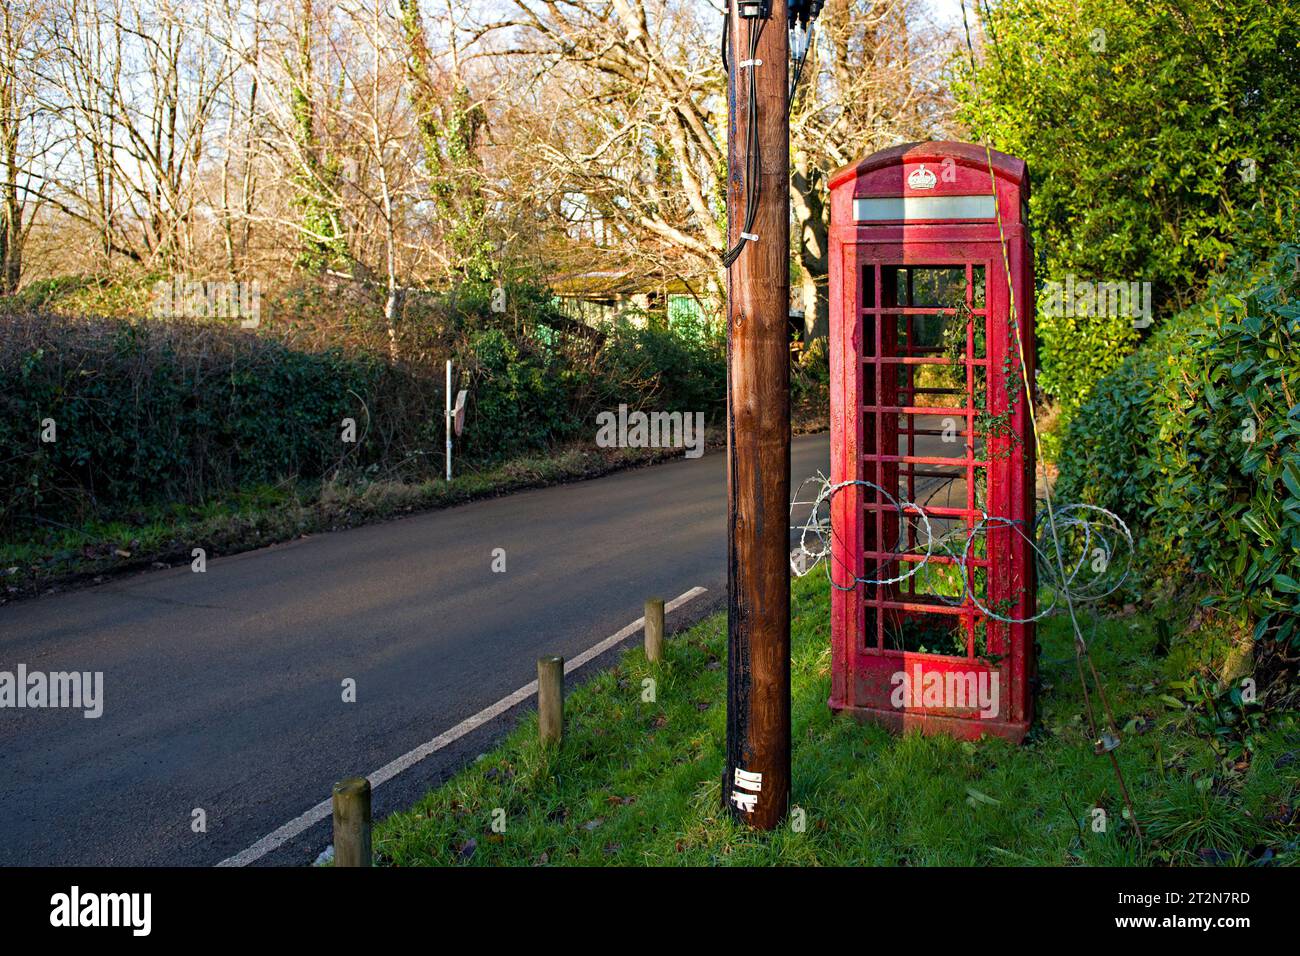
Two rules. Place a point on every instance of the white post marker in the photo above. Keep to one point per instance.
(448, 417)
(455, 415)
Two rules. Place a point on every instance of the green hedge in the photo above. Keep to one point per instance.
(1195, 441)
(153, 411)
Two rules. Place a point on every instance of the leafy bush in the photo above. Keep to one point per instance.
(519, 395)
(152, 411)
(158, 411)
(1161, 141)
(1075, 354)
(677, 372)
(1195, 439)
(532, 390)
(126, 292)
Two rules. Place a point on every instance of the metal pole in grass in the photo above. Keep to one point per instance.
(654, 630)
(352, 822)
(448, 422)
(550, 700)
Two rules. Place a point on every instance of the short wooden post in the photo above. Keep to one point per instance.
(550, 699)
(352, 822)
(654, 630)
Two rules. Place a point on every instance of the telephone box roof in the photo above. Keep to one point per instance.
(1006, 167)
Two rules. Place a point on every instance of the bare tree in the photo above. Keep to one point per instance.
(373, 119)
(869, 83)
(135, 83)
(630, 162)
(633, 163)
(22, 47)
(406, 144)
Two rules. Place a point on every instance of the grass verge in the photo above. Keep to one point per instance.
(638, 782)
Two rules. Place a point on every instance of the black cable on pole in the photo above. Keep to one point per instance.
(805, 11)
(802, 13)
(753, 159)
(800, 60)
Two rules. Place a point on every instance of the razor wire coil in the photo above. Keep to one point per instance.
(1100, 537)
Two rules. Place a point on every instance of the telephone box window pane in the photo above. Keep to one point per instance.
(933, 386)
(927, 331)
(943, 287)
(926, 634)
(940, 336)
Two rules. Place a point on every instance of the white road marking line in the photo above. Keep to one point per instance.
(282, 835)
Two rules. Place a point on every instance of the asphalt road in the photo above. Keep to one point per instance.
(223, 690)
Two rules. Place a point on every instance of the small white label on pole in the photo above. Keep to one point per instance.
(745, 801)
(745, 781)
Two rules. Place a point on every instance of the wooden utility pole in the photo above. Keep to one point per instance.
(757, 783)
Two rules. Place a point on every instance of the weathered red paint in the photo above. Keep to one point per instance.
(874, 384)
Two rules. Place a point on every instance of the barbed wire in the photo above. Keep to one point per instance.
(1096, 536)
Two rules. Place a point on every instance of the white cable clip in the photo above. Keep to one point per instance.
(745, 63)
(749, 236)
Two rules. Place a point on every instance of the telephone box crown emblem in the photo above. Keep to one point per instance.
(922, 178)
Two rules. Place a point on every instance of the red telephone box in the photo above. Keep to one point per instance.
(933, 517)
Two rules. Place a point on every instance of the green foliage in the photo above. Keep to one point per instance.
(324, 245)
(536, 377)
(1160, 139)
(1075, 354)
(1222, 716)
(528, 393)
(810, 377)
(148, 412)
(692, 320)
(119, 293)
(519, 395)
(681, 373)
(450, 131)
(152, 411)
(1195, 439)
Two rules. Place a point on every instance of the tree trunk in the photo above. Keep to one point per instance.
(812, 230)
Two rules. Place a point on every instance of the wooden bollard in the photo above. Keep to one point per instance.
(352, 822)
(550, 700)
(654, 630)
